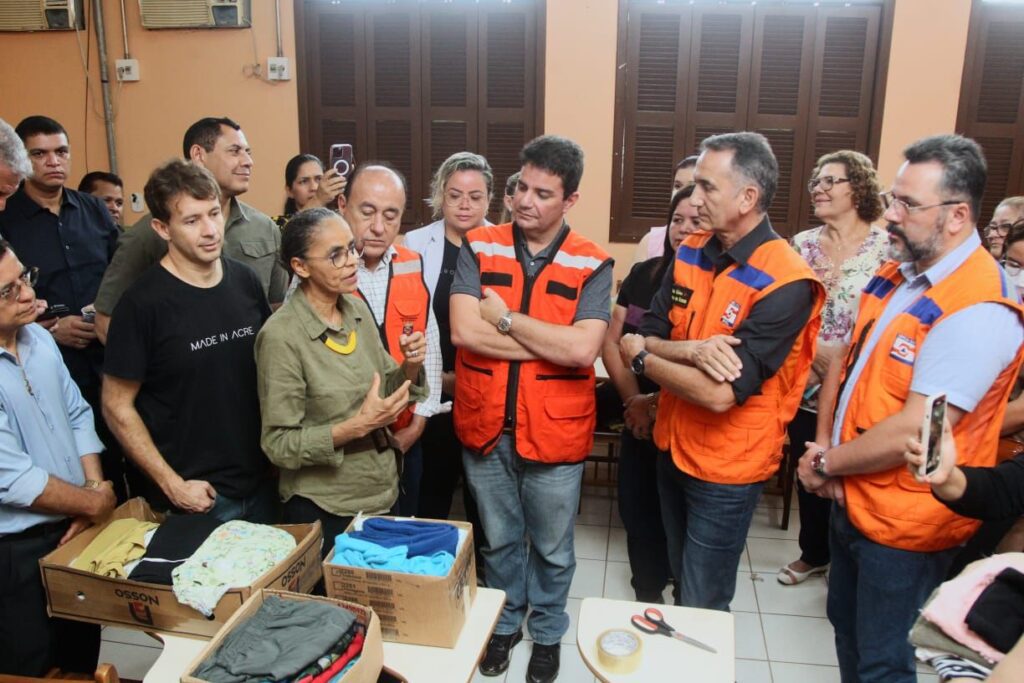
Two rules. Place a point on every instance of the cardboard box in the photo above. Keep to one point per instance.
(415, 609)
(84, 596)
(366, 670)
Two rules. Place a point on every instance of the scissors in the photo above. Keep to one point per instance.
(653, 622)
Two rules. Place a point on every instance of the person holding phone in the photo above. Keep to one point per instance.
(987, 493)
(391, 282)
(916, 334)
(308, 186)
(71, 238)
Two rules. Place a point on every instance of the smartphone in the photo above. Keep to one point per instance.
(54, 311)
(931, 433)
(341, 158)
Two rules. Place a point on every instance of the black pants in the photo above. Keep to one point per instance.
(814, 510)
(640, 509)
(442, 470)
(300, 510)
(30, 641)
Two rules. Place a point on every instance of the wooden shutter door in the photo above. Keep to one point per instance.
(507, 82)
(991, 104)
(393, 97)
(842, 86)
(450, 84)
(335, 69)
(719, 79)
(651, 137)
(782, 62)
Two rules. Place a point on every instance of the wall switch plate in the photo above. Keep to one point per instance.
(279, 69)
(127, 70)
(138, 205)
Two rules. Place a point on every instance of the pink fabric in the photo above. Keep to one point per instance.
(956, 597)
(656, 241)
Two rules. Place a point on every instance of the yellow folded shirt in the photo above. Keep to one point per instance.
(121, 542)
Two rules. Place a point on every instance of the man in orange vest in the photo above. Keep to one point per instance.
(941, 317)
(529, 307)
(730, 337)
(391, 282)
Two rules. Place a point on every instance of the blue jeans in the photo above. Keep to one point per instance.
(874, 594)
(409, 484)
(261, 507)
(522, 500)
(706, 527)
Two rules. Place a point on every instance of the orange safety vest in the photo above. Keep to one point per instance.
(406, 306)
(890, 507)
(743, 445)
(550, 409)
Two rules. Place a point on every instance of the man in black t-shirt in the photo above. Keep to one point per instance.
(180, 376)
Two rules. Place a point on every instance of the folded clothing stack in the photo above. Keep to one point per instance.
(407, 546)
(970, 622)
(120, 543)
(176, 540)
(304, 641)
(235, 554)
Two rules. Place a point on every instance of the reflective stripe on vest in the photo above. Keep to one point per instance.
(407, 303)
(744, 444)
(890, 507)
(550, 409)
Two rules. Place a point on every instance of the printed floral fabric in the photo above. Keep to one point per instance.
(233, 556)
(843, 285)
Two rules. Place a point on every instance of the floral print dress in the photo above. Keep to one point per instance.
(843, 285)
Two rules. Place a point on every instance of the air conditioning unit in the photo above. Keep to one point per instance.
(195, 13)
(41, 15)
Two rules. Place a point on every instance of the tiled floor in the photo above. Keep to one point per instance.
(782, 635)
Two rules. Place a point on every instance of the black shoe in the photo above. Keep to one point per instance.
(499, 651)
(543, 666)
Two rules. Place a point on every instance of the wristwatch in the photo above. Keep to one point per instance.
(818, 463)
(91, 484)
(505, 323)
(637, 364)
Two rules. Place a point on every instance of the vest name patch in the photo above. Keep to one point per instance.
(681, 296)
(732, 311)
(904, 349)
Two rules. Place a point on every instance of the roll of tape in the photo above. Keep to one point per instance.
(619, 651)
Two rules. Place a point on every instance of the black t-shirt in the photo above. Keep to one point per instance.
(441, 293)
(192, 350)
(635, 296)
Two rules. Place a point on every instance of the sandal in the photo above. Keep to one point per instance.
(788, 576)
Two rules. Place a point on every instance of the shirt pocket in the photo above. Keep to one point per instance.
(259, 255)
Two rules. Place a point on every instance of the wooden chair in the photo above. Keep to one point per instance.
(785, 482)
(105, 673)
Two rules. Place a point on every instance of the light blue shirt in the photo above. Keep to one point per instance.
(963, 354)
(46, 427)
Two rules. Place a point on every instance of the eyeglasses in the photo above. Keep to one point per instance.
(454, 199)
(29, 276)
(889, 200)
(339, 257)
(826, 182)
(1012, 268)
(1000, 229)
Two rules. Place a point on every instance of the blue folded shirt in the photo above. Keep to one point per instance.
(421, 538)
(355, 552)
